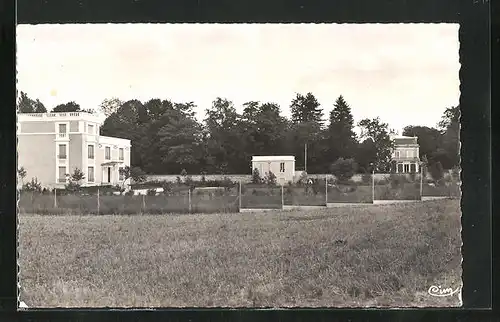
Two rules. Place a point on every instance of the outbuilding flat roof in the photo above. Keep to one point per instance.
(273, 158)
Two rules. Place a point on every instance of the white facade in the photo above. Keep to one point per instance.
(53, 145)
(283, 167)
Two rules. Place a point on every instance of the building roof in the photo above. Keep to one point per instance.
(407, 140)
(257, 158)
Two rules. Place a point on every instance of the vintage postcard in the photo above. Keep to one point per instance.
(239, 165)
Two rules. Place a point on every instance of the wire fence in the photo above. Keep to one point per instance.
(314, 192)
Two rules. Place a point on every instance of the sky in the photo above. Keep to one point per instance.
(406, 74)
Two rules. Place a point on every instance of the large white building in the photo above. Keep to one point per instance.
(52, 145)
(282, 166)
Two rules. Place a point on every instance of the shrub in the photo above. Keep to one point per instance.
(129, 193)
(183, 173)
(437, 172)
(397, 180)
(32, 185)
(270, 179)
(203, 180)
(455, 173)
(189, 180)
(136, 173)
(303, 178)
(151, 192)
(256, 179)
(413, 176)
(366, 178)
(344, 169)
(167, 187)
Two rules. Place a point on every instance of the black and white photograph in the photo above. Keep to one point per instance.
(239, 165)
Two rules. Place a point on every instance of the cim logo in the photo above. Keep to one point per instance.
(441, 292)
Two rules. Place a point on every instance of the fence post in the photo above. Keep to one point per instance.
(239, 196)
(282, 198)
(373, 186)
(326, 190)
(55, 198)
(98, 202)
(189, 199)
(421, 181)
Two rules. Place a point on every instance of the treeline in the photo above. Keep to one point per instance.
(167, 138)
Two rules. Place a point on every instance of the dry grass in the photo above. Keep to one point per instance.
(374, 255)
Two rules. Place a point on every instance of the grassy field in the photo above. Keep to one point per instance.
(368, 255)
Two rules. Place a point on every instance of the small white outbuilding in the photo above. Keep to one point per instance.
(283, 166)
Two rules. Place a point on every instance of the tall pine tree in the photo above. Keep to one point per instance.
(340, 136)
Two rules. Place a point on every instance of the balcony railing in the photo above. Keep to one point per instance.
(91, 156)
(63, 135)
(62, 156)
(61, 180)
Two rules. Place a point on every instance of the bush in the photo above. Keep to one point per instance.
(151, 192)
(303, 178)
(437, 172)
(137, 174)
(455, 173)
(270, 179)
(344, 169)
(256, 179)
(167, 187)
(129, 193)
(397, 180)
(32, 185)
(366, 178)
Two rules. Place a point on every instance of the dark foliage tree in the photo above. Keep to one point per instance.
(344, 169)
(306, 129)
(109, 106)
(224, 132)
(27, 105)
(450, 127)
(379, 133)
(340, 137)
(67, 107)
(429, 139)
(366, 153)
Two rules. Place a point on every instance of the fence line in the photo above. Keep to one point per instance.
(249, 196)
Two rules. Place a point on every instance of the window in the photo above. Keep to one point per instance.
(397, 154)
(413, 168)
(410, 153)
(91, 174)
(62, 128)
(122, 177)
(91, 151)
(107, 153)
(62, 174)
(407, 168)
(282, 167)
(62, 151)
(90, 129)
(121, 153)
(400, 167)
